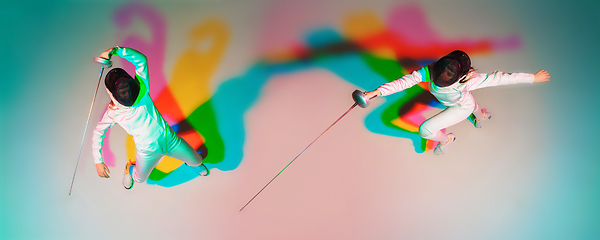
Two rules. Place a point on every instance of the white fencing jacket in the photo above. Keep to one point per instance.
(457, 94)
(142, 120)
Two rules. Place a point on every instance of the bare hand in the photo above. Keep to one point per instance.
(372, 94)
(102, 170)
(541, 76)
(107, 54)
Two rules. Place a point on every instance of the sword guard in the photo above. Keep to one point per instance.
(360, 98)
(103, 61)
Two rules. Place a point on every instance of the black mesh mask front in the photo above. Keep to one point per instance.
(122, 86)
(451, 68)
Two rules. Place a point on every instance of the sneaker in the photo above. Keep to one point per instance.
(442, 147)
(202, 169)
(127, 179)
(478, 123)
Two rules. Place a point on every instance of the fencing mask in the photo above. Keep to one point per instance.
(451, 68)
(122, 86)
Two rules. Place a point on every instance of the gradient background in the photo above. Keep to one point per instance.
(531, 173)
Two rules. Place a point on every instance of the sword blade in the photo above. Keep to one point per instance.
(86, 127)
(350, 109)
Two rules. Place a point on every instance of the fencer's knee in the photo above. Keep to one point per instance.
(136, 176)
(140, 180)
(195, 161)
(424, 131)
(194, 164)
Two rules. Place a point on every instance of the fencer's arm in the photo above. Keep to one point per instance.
(400, 84)
(482, 80)
(139, 61)
(108, 53)
(373, 94)
(106, 122)
(102, 170)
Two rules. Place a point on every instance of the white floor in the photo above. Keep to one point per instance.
(530, 173)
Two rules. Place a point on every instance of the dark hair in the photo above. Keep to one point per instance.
(464, 80)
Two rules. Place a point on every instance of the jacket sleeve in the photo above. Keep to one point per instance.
(140, 62)
(480, 80)
(105, 123)
(404, 82)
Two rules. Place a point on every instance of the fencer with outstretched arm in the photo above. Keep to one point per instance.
(451, 80)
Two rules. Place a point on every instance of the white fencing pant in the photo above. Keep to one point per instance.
(177, 148)
(432, 128)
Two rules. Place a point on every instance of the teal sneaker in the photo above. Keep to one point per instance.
(441, 148)
(127, 179)
(479, 122)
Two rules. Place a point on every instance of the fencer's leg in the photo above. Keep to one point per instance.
(479, 116)
(184, 152)
(443, 146)
(144, 164)
(432, 128)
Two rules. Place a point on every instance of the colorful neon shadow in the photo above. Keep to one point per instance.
(403, 44)
(178, 101)
(410, 42)
(352, 60)
(367, 55)
(190, 88)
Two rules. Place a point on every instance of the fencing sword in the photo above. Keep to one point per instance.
(105, 63)
(360, 99)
